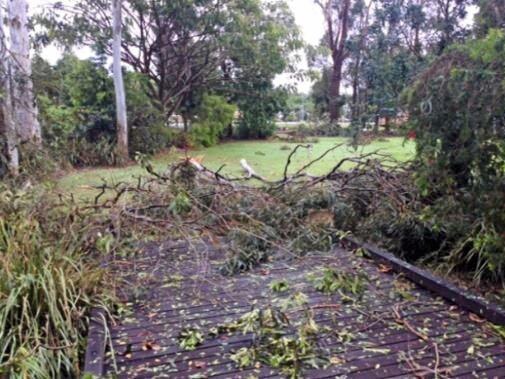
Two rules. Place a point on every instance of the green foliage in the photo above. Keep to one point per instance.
(386, 76)
(275, 345)
(457, 110)
(491, 15)
(180, 204)
(279, 286)
(150, 138)
(255, 40)
(247, 251)
(274, 228)
(77, 112)
(190, 338)
(213, 116)
(38, 164)
(261, 39)
(258, 111)
(148, 133)
(319, 93)
(325, 128)
(345, 283)
(299, 107)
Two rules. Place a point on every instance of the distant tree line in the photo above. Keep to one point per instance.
(376, 48)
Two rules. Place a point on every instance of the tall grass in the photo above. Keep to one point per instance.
(47, 282)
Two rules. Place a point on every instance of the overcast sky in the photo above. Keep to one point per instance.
(310, 20)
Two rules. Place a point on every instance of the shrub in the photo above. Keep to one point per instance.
(257, 112)
(457, 110)
(37, 163)
(149, 139)
(81, 152)
(77, 112)
(213, 116)
(253, 125)
(148, 133)
(181, 139)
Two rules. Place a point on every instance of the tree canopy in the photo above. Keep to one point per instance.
(187, 47)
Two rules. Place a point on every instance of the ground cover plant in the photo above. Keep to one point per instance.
(49, 280)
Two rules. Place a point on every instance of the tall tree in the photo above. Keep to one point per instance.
(446, 22)
(121, 122)
(25, 110)
(491, 15)
(357, 46)
(7, 126)
(337, 19)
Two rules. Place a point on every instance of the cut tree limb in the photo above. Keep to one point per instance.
(249, 170)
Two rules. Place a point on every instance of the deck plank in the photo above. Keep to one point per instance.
(172, 288)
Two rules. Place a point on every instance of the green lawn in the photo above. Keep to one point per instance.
(266, 157)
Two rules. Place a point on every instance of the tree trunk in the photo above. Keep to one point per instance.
(355, 84)
(387, 126)
(121, 123)
(7, 127)
(25, 111)
(376, 124)
(337, 44)
(334, 92)
(185, 122)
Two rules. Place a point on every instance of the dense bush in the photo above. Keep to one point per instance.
(148, 132)
(38, 164)
(257, 113)
(327, 129)
(457, 110)
(458, 113)
(213, 116)
(77, 112)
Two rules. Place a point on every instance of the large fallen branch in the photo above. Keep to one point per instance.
(192, 201)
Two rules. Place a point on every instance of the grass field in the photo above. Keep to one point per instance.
(268, 158)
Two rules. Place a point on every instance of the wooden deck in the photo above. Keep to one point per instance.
(396, 330)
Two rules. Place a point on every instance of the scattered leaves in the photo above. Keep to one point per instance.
(279, 286)
(190, 338)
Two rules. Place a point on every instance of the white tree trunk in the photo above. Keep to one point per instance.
(25, 110)
(7, 128)
(122, 126)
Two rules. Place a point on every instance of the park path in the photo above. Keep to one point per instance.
(395, 330)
